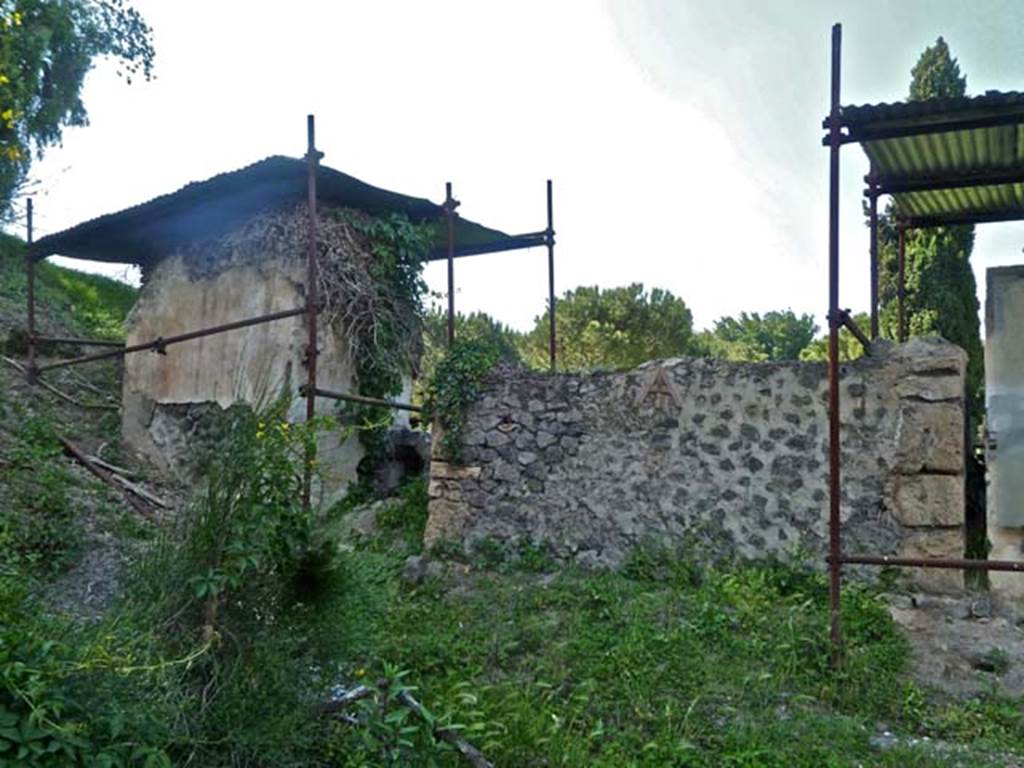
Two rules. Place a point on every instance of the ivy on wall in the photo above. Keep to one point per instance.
(454, 385)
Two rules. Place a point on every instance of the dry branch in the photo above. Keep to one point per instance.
(111, 467)
(336, 706)
(62, 395)
(346, 700)
(105, 476)
(138, 490)
(467, 750)
(358, 305)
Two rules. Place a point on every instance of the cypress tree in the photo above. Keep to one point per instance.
(941, 291)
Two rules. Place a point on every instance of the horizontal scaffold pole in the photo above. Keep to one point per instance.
(160, 343)
(363, 400)
(80, 342)
(950, 563)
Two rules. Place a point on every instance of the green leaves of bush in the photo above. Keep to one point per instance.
(456, 383)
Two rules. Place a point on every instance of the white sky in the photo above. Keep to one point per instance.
(682, 137)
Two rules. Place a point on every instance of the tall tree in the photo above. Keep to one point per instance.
(776, 335)
(46, 49)
(849, 347)
(941, 291)
(612, 328)
(480, 327)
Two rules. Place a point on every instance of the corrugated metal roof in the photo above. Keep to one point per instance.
(146, 232)
(957, 175)
(932, 110)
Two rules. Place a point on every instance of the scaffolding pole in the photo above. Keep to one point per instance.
(835, 544)
(901, 286)
(450, 204)
(549, 236)
(30, 277)
(161, 343)
(312, 161)
(873, 218)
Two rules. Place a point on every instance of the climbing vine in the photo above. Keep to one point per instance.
(455, 384)
(372, 283)
(369, 283)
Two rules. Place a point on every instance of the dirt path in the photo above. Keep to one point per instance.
(963, 646)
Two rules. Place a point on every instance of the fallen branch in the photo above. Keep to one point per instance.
(105, 476)
(138, 490)
(95, 459)
(347, 699)
(62, 395)
(336, 706)
(467, 750)
(81, 382)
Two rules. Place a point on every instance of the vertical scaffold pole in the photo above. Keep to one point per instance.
(873, 218)
(835, 543)
(901, 286)
(550, 237)
(30, 278)
(312, 161)
(449, 215)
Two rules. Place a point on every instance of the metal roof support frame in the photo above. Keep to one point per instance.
(835, 544)
(312, 305)
(901, 284)
(160, 344)
(549, 235)
(897, 170)
(30, 290)
(872, 195)
(450, 204)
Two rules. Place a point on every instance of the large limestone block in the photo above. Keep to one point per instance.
(447, 519)
(927, 500)
(931, 388)
(931, 355)
(935, 543)
(930, 438)
(448, 471)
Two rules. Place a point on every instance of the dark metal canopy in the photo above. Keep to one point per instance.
(147, 232)
(944, 161)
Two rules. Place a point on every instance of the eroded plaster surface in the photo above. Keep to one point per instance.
(168, 397)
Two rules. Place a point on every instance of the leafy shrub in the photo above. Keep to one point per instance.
(456, 383)
(37, 528)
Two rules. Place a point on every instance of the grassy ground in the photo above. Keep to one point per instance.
(666, 665)
(68, 301)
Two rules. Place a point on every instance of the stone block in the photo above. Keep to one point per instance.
(443, 469)
(938, 542)
(931, 388)
(926, 500)
(930, 355)
(930, 438)
(446, 520)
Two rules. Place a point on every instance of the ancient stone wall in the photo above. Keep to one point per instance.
(728, 457)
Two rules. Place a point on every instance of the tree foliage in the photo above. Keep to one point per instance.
(478, 327)
(941, 291)
(849, 347)
(776, 335)
(612, 328)
(46, 49)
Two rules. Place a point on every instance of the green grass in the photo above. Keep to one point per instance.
(68, 300)
(728, 668)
